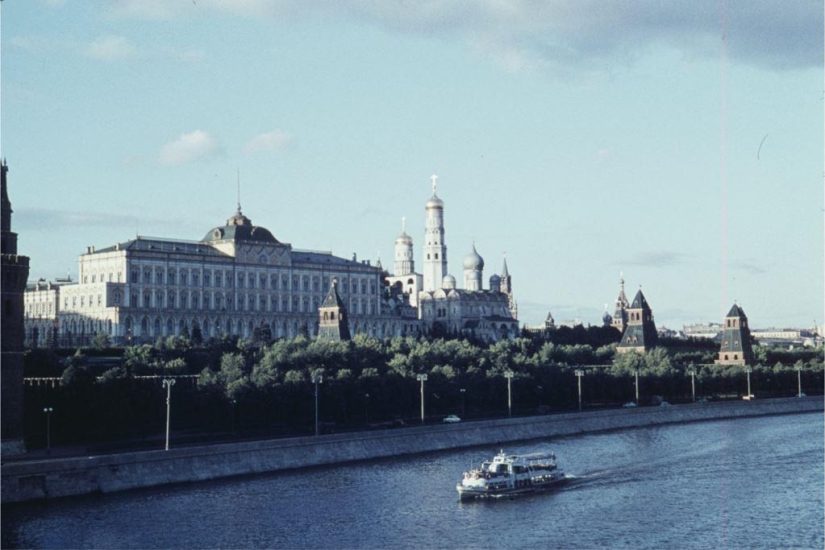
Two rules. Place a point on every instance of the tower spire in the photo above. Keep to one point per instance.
(433, 178)
(239, 189)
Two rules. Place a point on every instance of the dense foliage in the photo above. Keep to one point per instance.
(262, 388)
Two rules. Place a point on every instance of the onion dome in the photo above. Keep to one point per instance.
(495, 279)
(434, 202)
(403, 238)
(448, 282)
(474, 261)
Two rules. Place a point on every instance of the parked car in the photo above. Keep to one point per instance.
(629, 405)
(664, 404)
(451, 419)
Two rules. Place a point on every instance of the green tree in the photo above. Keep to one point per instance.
(100, 341)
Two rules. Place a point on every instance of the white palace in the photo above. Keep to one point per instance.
(239, 278)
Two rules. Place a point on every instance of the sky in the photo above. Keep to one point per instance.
(676, 144)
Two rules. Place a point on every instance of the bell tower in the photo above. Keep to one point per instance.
(435, 250)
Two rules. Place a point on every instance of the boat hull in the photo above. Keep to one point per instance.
(482, 492)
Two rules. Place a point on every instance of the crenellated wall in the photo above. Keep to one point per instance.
(37, 480)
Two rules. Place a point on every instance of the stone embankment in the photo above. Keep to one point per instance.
(45, 479)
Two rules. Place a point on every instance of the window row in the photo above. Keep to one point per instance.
(306, 283)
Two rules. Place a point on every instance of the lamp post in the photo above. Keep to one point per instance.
(749, 371)
(48, 411)
(692, 373)
(233, 402)
(367, 409)
(636, 372)
(579, 374)
(317, 379)
(422, 378)
(463, 411)
(508, 374)
(168, 383)
(799, 379)
(540, 390)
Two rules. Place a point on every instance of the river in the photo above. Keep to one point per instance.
(745, 483)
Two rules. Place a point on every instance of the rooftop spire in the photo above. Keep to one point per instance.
(433, 178)
(239, 190)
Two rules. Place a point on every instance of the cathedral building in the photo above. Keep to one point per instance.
(444, 309)
(619, 320)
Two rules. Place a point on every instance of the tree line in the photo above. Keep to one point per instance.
(262, 388)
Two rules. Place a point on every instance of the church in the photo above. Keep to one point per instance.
(472, 311)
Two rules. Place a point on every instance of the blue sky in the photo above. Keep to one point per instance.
(680, 143)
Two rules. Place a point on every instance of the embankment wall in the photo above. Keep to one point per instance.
(45, 479)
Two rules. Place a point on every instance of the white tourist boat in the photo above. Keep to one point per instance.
(509, 475)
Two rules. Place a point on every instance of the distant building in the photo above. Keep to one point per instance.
(703, 330)
(736, 339)
(15, 272)
(640, 333)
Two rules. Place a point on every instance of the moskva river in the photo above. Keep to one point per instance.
(748, 483)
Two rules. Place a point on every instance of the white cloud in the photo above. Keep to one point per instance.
(194, 146)
(111, 48)
(269, 141)
(566, 35)
(603, 155)
(154, 10)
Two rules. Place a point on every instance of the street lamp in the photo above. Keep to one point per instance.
(508, 374)
(422, 378)
(692, 373)
(317, 379)
(463, 412)
(799, 380)
(579, 374)
(233, 402)
(367, 409)
(48, 411)
(636, 372)
(749, 371)
(168, 383)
